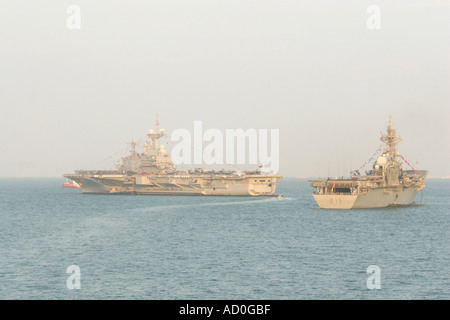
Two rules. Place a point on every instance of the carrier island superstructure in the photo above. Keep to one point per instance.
(386, 185)
(152, 172)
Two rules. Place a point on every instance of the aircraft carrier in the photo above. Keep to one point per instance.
(151, 172)
(386, 185)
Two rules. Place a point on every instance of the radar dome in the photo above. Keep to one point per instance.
(382, 161)
(151, 131)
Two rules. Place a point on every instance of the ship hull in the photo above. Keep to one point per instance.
(261, 185)
(374, 198)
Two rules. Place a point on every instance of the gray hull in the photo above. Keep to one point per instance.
(374, 198)
(257, 185)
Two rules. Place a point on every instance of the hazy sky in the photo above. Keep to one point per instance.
(69, 99)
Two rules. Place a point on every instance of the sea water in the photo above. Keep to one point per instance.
(180, 247)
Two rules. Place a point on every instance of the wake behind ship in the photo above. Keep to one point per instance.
(151, 172)
(386, 185)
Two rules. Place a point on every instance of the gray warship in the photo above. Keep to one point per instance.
(386, 185)
(151, 172)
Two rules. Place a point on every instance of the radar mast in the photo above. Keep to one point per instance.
(391, 139)
(155, 136)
